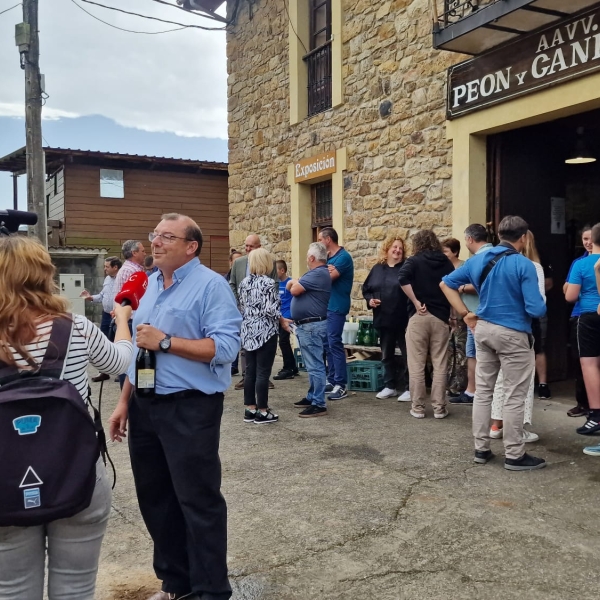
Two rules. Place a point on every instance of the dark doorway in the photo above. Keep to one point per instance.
(526, 169)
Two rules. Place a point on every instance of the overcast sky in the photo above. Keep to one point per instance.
(172, 83)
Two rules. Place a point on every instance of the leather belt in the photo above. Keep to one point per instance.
(181, 395)
(310, 320)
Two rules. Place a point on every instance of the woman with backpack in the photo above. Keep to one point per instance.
(38, 334)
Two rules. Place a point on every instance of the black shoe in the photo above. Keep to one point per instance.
(234, 371)
(283, 374)
(296, 372)
(577, 411)
(270, 417)
(100, 377)
(313, 411)
(249, 415)
(544, 391)
(589, 427)
(483, 456)
(462, 399)
(328, 387)
(303, 403)
(271, 385)
(525, 463)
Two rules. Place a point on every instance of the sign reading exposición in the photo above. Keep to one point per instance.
(557, 53)
(315, 166)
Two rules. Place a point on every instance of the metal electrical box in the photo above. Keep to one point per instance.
(71, 287)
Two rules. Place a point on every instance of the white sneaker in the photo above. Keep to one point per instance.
(417, 415)
(496, 434)
(441, 415)
(386, 393)
(529, 436)
(404, 397)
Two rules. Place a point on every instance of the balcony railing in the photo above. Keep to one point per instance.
(455, 10)
(318, 62)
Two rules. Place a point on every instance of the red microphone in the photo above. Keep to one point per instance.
(132, 291)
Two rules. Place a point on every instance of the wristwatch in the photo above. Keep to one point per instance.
(165, 344)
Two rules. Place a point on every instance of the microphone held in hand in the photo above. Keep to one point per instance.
(132, 291)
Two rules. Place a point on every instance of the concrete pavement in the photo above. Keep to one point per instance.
(370, 503)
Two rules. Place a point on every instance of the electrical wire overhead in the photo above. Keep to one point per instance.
(181, 25)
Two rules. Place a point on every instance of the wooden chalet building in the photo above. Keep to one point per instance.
(97, 200)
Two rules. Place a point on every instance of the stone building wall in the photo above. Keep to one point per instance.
(392, 123)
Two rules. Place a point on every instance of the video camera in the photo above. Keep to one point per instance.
(11, 220)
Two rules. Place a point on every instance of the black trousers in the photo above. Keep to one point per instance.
(174, 450)
(395, 367)
(258, 370)
(289, 362)
(580, 391)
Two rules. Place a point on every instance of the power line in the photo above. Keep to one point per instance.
(292, 25)
(182, 25)
(189, 12)
(6, 10)
(121, 28)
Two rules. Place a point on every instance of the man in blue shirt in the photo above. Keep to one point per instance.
(289, 362)
(311, 295)
(189, 318)
(582, 408)
(341, 270)
(509, 298)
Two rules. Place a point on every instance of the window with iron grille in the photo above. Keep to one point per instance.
(321, 194)
(318, 60)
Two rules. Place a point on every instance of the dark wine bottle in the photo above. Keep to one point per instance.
(145, 373)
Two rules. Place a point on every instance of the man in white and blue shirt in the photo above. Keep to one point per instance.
(106, 296)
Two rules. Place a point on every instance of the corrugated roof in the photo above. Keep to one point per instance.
(16, 161)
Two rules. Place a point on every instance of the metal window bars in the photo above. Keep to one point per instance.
(318, 62)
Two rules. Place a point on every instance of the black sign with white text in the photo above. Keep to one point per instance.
(562, 51)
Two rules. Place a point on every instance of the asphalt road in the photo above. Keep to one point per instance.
(370, 503)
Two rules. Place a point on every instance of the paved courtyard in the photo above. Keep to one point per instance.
(370, 503)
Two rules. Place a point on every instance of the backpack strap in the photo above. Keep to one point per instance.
(54, 361)
(8, 372)
(493, 262)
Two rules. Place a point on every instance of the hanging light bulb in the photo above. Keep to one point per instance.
(581, 154)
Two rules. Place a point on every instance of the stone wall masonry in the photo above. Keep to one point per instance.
(399, 165)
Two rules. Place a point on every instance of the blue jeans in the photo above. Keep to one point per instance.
(312, 338)
(105, 324)
(470, 350)
(336, 355)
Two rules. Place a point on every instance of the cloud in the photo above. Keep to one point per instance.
(173, 82)
(50, 114)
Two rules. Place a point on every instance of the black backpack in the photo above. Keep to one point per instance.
(48, 441)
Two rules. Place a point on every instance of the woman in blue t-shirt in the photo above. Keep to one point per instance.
(581, 286)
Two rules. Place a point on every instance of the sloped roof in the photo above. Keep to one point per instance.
(15, 162)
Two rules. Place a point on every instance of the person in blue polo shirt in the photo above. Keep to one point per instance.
(341, 270)
(582, 408)
(289, 362)
(507, 285)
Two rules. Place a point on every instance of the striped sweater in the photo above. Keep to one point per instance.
(87, 346)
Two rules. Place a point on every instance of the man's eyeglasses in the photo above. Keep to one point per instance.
(165, 238)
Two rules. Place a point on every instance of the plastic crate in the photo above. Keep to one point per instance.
(365, 375)
(299, 362)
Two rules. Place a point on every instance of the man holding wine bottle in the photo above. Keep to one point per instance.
(187, 332)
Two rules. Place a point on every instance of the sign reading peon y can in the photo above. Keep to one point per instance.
(532, 62)
(315, 166)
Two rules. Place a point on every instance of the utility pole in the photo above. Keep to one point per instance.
(27, 39)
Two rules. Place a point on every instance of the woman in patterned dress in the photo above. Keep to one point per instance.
(261, 310)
